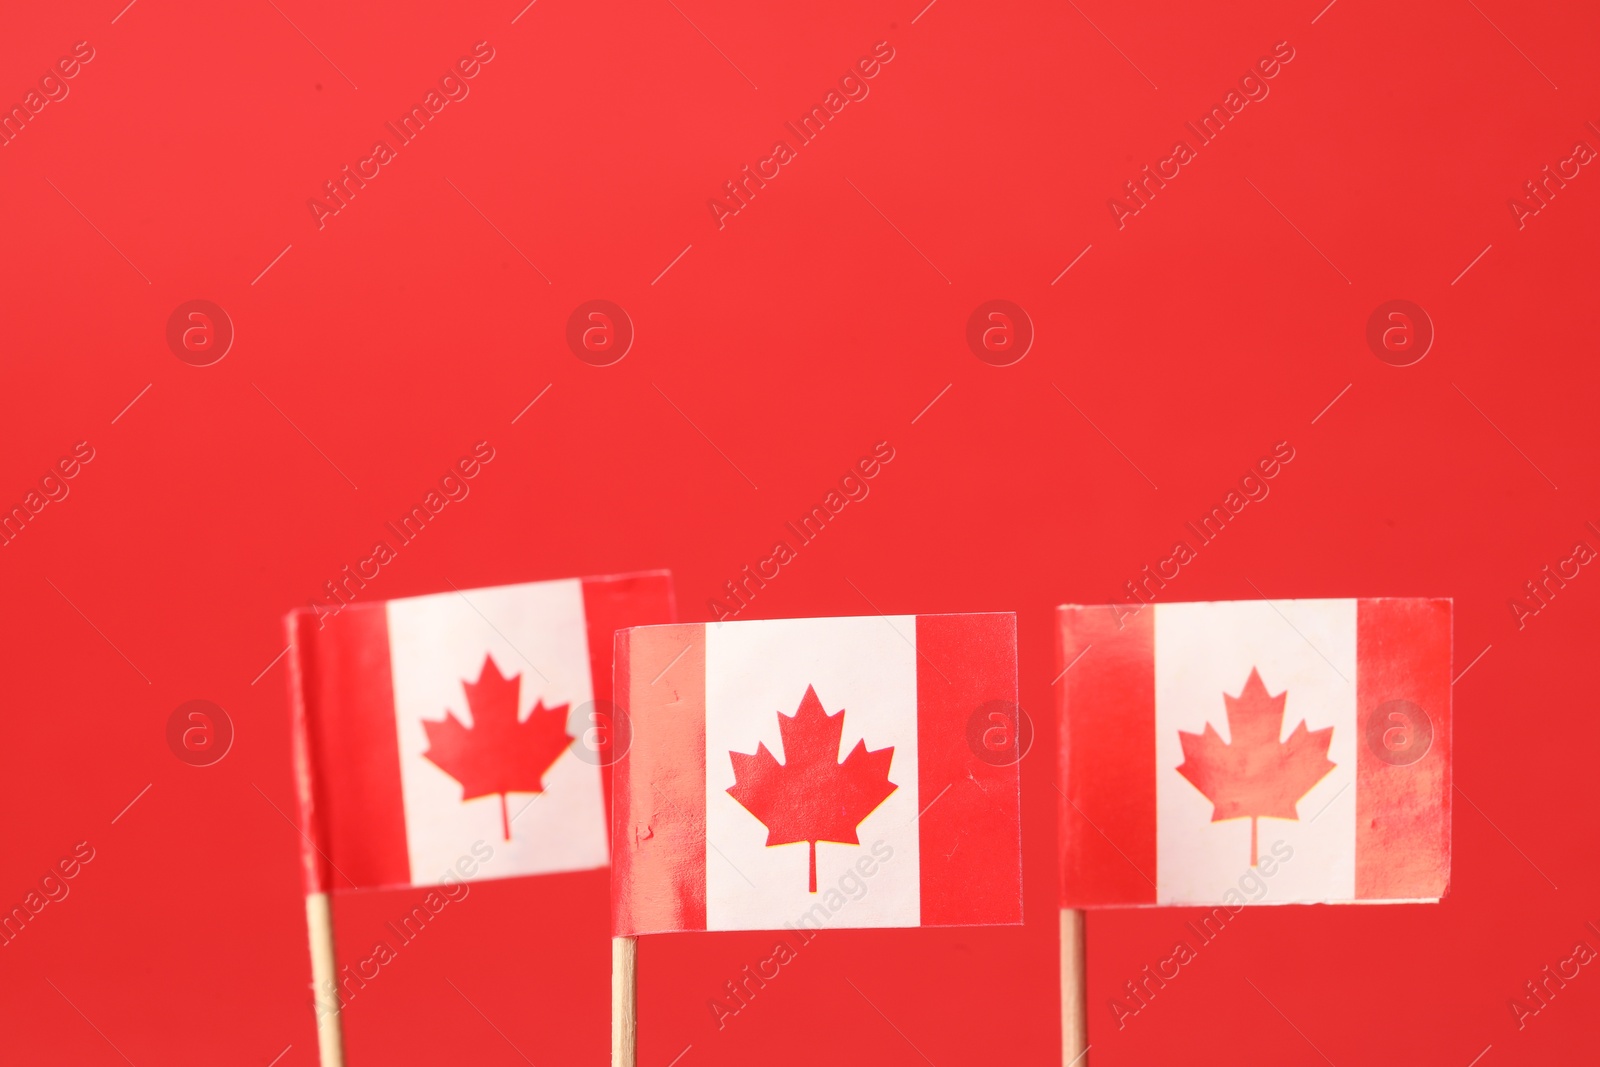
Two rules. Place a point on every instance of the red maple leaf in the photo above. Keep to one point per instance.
(812, 796)
(1255, 774)
(497, 753)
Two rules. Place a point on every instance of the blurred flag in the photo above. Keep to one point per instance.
(426, 724)
(1255, 752)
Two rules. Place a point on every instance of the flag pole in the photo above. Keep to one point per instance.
(1074, 1017)
(324, 980)
(624, 1001)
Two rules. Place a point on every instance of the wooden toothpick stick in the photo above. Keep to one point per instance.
(624, 1001)
(1074, 1018)
(324, 980)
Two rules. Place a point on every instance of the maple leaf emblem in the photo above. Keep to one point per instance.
(497, 753)
(812, 796)
(1255, 775)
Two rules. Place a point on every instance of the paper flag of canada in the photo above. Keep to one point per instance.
(428, 725)
(815, 773)
(1255, 752)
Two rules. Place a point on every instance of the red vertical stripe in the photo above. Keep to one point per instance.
(1402, 809)
(658, 825)
(970, 831)
(1107, 731)
(347, 753)
(613, 603)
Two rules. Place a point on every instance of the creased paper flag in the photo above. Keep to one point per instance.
(818, 773)
(426, 724)
(1236, 752)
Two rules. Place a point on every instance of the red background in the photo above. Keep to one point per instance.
(824, 318)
